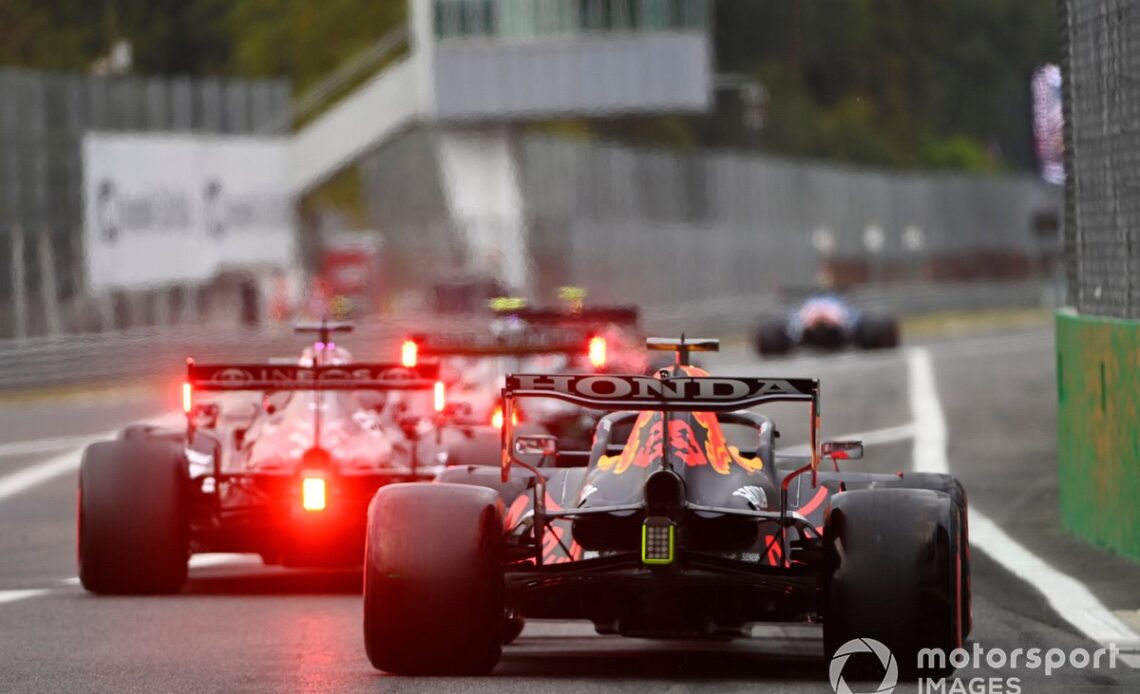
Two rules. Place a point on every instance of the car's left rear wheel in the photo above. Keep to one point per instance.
(433, 581)
(133, 532)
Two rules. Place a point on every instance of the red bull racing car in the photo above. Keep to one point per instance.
(288, 477)
(664, 529)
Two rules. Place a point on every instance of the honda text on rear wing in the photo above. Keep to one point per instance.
(614, 392)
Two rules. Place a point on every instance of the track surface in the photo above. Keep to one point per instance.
(240, 627)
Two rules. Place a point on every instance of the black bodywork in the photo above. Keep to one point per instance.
(748, 536)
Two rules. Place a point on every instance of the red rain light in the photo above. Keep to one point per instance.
(439, 399)
(313, 494)
(187, 397)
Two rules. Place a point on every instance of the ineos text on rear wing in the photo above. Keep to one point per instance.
(357, 376)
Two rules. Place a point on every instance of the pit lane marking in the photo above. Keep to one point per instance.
(7, 596)
(47, 445)
(34, 475)
(198, 561)
(1068, 597)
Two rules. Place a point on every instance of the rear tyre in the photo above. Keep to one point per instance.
(895, 575)
(877, 332)
(772, 339)
(133, 532)
(948, 485)
(432, 559)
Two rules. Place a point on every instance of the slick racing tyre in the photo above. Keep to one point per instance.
(433, 581)
(132, 518)
(876, 332)
(948, 485)
(895, 574)
(772, 339)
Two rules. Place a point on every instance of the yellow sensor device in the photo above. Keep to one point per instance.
(657, 541)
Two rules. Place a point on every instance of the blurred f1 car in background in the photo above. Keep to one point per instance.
(665, 528)
(473, 367)
(288, 477)
(828, 322)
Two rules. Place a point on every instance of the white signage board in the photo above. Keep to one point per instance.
(165, 209)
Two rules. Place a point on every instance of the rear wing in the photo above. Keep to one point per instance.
(356, 376)
(589, 315)
(635, 392)
(530, 342)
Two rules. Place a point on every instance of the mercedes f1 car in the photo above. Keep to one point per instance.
(825, 321)
(664, 529)
(289, 478)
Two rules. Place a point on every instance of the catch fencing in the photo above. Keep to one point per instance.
(1101, 70)
(656, 227)
(43, 117)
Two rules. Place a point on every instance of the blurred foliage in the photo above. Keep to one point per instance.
(938, 83)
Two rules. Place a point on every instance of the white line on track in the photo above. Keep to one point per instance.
(26, 478)
(44, 445)
(1068, 597)
(17, 595)
(200, 561)
(34, 475)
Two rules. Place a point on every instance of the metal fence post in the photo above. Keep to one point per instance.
(49, 287)
(19, 289)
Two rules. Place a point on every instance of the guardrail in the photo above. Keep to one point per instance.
(158, 353)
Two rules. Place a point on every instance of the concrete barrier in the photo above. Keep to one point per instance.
(1098, 384)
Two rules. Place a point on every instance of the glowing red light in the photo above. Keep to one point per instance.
(597, 351)
(409, 354)
(439, 399)
(497, 418)
(313, 494)
(187, 397)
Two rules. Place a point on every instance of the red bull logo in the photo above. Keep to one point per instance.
(695, 439)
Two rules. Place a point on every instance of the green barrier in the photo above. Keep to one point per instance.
(1098, 389)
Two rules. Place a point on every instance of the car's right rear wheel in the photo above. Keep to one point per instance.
(895, 576)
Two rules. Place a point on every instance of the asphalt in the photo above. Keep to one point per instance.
(241, 627)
